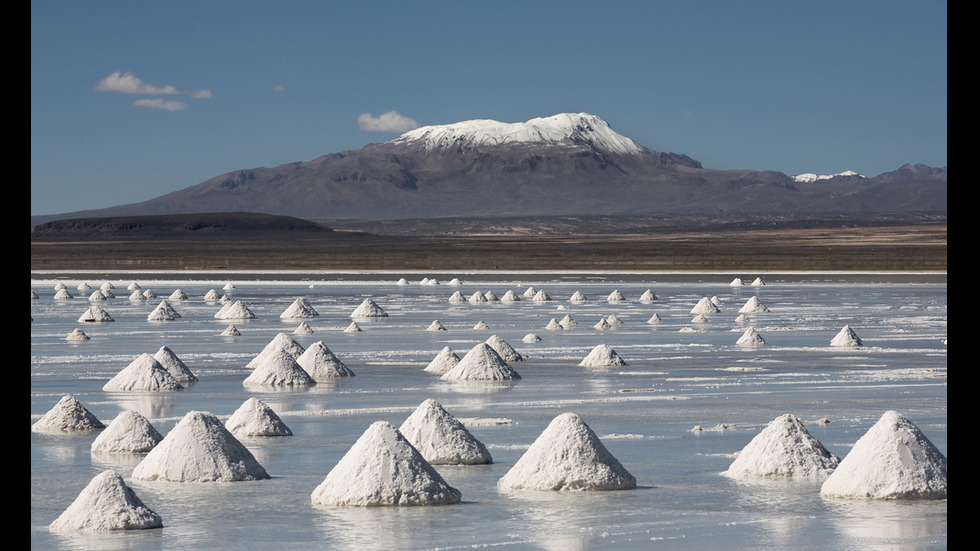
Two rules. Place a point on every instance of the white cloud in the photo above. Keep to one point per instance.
(386, 122)
(126, 83)
(160, 104)
(278, 88)
(200, 94)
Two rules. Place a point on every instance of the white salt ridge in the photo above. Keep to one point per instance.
(234, 311)
(279, 368)
(753, 306)
(163, 312)
(68, 415)
(321, 364)
(280, 341)
(172, 363)
(505, 350)
(129, 432)
(893, 460)
(106, 504)
(567, 456)
(383, 469)
(299, 309)
(846, 337)
(200, 449)
(144, 373)
(77, 335)
(784, 449)
(255, 418)
(481, 363)
(368, 309)
(705, 306)
(441, 438)
(95, 314)
(444, 361)
(750, 337)
(436, 325)
(603, 356)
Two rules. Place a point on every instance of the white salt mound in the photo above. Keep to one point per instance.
(200, 449)
(530, 292)
(352, 328)
(231, 331)
(148, 294)
(615, 296)
(602, 356)
(477, 298)
(750, 338)
(505, 350)
(705, 306)
(602, 324)
(77, 335)
(279, 369)
(368, 309)
(737, 282)
(380, 469)
(481, 363)
(322, 364)
(129, 432)
(303, 329)
(163, 312)
(457, 298)
(846, 337)
(169, 360)
(567, 456)
(567, 322)
(481, 326)
(98, 295)
(106, 504)
(234, 311)
(578, 296)
(137, 296)
(757, 282)
(144, 373)
(531, 338)
(178, 295)
(613, 319)
(441, 438)
(436, 325)
(553, 325)
(655, 318)
(68, 415)
(510, 296)
(211, 295)
(63, 294)
(280, 341)
(444, 361)
(541, 296)
(255, 418)
(784, 449)
(95, 314)
(893, 460)
(753, 306)
(299, 309)
(648, 296)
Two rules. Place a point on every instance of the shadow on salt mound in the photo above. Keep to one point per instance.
(129, 432)
(105, 505)
(441, 438)
(68, 415)
(784, 449)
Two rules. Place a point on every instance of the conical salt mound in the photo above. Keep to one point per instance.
(303, 329)
(750, 338)
(144, 373)
(577, 296)
(129, 432)
(137, 296)
(757, 282)
(63, 294)
(68, 415)
(352, 328)
(505, 350)
(231, 331)
(648, 296)
(893, 460)
(211, 295)
(444, 361)
(200, 449)
(322, 364)
(705, 306)
(567, 456)
(178, 295)
(567, 322)
(279, 369)
(77, 335)
(784, 449)
(613, 319)
(149, 294)
(753, 306)
(531, 338)
(457, 298)
(382, 468)
(481, 326)
(174, 365)
(441, 438)
(737, 282)
(234, 311)
(255, 418)
(510, 296)
(477, 298)
(106, 505)
(491, 296)
(553, 325)
(299, 309)
(95, 314)
(602, 356)
(368, 309)
(530, 292)
(481, 363)
(846, 337)
(655, 319)
(280, 341)
(615, 296)
(436, 325)
(602, 324)
(541, 296)
(99, 294)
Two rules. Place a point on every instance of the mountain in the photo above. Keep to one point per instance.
(566, 164)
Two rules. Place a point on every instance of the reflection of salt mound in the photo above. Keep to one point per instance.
(105, 505)
(299, 309)
(95, 314)
(505, 350)
(784, 449)
(481, 363)
(255, 418)
(705, 306)
(77, 335)
(444, 361)
(602, 356)
(174, 365)
(893, 460)
(234, 311)
(436, 325)
(322, 364)
(279, 369)
(368, 309)
(144, 373)
(129, 432)
(163, 312)
(68, 415)
(753, 306)
(441, 438)
(281, 340)
(846, 337)
(382, 468)
(750, 338)
(200, 449)
(567, 456)
(648, 296)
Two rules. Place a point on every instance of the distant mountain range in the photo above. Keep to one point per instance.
(567, 164)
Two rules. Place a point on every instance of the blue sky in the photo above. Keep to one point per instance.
(132, 100)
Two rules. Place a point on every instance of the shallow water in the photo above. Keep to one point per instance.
(680, 375)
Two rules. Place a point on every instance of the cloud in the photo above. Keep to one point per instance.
(126, 83)
(386, 122)
(278, 88)
(200, 94)
(160, 104)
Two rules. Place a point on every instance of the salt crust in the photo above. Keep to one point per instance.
(144, 373)
(784, 449)
(382, 468)
(893, 460)
(129, 432)
(444, 361)
(255, 418)
(106, 504)
(321, 364)
(68, 415)
(567, 456)
(602, 356)
(200, 449)
(481, 363)
(441, 438)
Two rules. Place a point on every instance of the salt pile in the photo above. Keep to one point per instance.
(402, 281)
(655, 318)
(144, 373)
(613, 319)
(200, 449)
(457, 298)
(567, 456)
(455, 281)
(279, 368)
(352, 328)
(234, 311)
(529, 292)
(753, 306)
(107, 286)
(741, 318)
(577, 296)
(490, 296)
(700, 318)
(541, 296)
(137, 296)
(893, 460)
(129, 432)
(255, 418)
(510, 296)
(481, 326)
(441, 438)
(321, 364)
(133, 286)
(106, 504)
(169, 360)
(62, 294)
(436, 325)
(228, 287)
(505, 350)
(60, 285)
(750, 338)
(382, 468)
(163, 312)
(553, 325)
(231, 331)
(602, 356)
(602, 324)
(481, 363)
(846, 337)
(95, 314)
(211, 295)
(757, 282)
(98, 295)
(615, 296)
(368, 309)
(784, 449)
(178, 295)
(280, 341)
(444, 361)
(148, 294)
(705, 306)
(531, 338)
(648, 296)
(68, 415)
(477, 298)
(737, 282)
(77, 335)
(303, 329)
(299, 309)
(567, 322)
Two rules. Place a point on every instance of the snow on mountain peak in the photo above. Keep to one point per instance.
(561, 129)
(810, 177)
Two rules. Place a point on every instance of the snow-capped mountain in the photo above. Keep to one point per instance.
(810, 177)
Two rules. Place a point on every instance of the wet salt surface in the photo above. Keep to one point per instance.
(644, 413)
